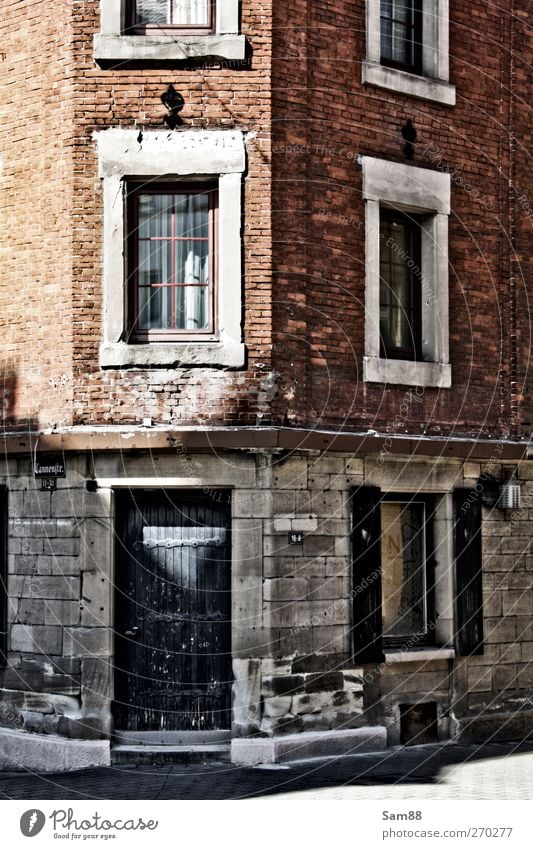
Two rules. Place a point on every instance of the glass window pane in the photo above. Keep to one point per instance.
(155, 215)
(190, 12)
(396, 304)
(173, 261)
(402, 10)
(152, 11)
(154, 265)
(191, 215)
(150, 308)
(403, 562)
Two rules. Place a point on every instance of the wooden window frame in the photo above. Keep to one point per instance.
(413, 223)
(416, 67)
(134, 334)
(427, 638)
(133, 28)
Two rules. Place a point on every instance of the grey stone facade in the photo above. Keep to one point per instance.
(292, 604)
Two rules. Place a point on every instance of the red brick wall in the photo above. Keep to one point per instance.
(52, 194)
(50, 198)
(36, 308)
(320, 103)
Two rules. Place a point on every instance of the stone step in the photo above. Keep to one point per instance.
(150, 754)
(308, 745)
(171, 738)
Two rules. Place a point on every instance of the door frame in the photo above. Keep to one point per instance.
(151, 486)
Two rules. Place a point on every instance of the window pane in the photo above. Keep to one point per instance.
(396, 300)
(190, 12)
(173, 260)
(155, 215)
(152, 11)
(397, 31)
(403, 560)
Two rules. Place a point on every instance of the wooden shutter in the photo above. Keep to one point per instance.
(366, 575)
(3, 575)
(468, 572)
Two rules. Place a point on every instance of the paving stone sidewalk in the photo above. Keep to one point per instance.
(492, 771)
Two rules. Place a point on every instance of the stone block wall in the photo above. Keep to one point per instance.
(291, 604)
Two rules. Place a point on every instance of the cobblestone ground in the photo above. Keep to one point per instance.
(493, 771)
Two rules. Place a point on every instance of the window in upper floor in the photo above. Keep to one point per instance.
(401, 34)
(400, 290)
(406, 262)
(407, 48)
(172, 253)
(171, 261)
(195, 16)
(168, 30)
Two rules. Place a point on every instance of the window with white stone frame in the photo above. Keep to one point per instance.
(406, 274)
(168, 30)
(407, 48)
(172, 285)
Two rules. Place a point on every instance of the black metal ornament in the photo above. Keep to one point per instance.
(174, 103)
(409, 136)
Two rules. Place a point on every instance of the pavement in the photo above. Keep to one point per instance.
(449, 771)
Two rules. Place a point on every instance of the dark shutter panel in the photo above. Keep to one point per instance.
(468, 572)
(366, 575)
(3, 575)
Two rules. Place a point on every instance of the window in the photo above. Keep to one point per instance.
(407, 48)
(411, 589)
(172, 210)
(401, 34)
(187, 15)
(168, 30)
(400, 292)
(406, 261)
(407, 569)
(171, 261)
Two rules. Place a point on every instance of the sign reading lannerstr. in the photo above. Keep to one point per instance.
(49, 467)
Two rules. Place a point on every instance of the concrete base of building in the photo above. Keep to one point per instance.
(20, 751)
(495, 727)
(296, 747)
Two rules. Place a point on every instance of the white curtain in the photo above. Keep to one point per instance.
(190, 12)
(152, 11)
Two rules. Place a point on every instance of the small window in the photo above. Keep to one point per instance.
(407, 569)
(171, 261)
(406, 259)
(401, 34)
(194, 16)
(400, 286)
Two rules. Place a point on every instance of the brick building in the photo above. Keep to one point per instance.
(265, 345)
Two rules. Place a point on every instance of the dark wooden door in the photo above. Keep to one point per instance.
(172, 611)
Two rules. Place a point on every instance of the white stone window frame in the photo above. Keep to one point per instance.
(425, 192)
(112, 45)
(181, 156)
(433, 84)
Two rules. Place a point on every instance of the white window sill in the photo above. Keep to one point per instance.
(411, 85)
(406, 372)
(229, 353)
(161, 48)
(419, 655)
